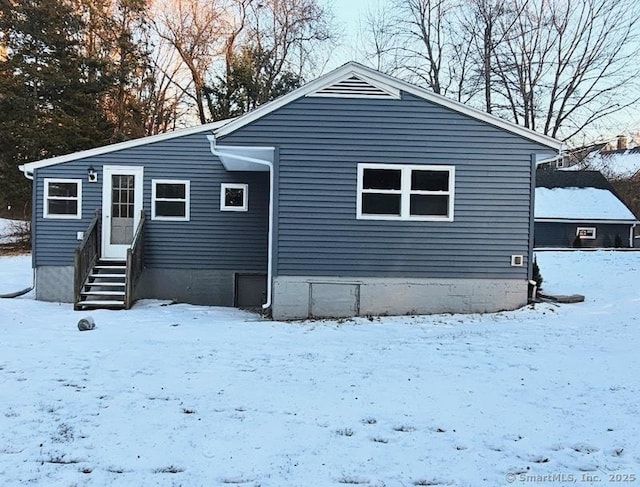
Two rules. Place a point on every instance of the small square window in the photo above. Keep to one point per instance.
(62, 198)
(170, 200)
(234, 197)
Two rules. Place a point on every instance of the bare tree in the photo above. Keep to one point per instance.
(211, 35)
(559, 67)
(377, 40)
(569, 64)
(425, 34)
(274, 44)
(485, 24)
(195, 29)
(421, 40)
(164, 99)
(288, 32)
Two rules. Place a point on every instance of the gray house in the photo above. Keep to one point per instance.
(580, 209)
(355, 194)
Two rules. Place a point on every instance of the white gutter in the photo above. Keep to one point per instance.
(27, 174)
(269, 164)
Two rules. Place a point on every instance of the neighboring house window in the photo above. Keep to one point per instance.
(586, 232)
(170, 199)
(405, 192)
(62, 198)
(234, 197)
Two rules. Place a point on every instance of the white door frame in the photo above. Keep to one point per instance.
(109, 250)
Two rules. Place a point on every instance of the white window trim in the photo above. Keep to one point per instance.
(587, 229)
(186, 200)
(45, 204)
(406, 192)
(245, 196)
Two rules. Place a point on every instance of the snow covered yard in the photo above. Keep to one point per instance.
(197, 396)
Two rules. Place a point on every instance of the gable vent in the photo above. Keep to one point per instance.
(354, 87)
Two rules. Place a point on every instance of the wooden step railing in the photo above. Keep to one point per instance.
(135, 262)
(86, 256)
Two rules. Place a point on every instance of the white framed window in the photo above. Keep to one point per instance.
(62, 198)
(170, 199)
(234, 197)
(588, 233)
(405, 192)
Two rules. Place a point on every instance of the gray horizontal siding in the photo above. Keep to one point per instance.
(550, 234)
(210, 240)
(320, 143)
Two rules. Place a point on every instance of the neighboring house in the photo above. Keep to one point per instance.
(580, 209)
(614, 159)
(613, 164)
(356, 194)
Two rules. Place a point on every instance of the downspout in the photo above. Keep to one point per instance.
(28, 175)
(269, 164)
(631, 234)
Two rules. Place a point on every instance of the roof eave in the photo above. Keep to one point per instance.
(586, 220)
(29, 167)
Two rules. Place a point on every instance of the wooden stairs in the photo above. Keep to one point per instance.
(105, 286)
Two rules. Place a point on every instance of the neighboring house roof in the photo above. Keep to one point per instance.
(614, 164)
(589, 204)
(577, 195)
(549, 178)
(351, 79)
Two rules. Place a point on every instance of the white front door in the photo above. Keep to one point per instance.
(121, 208)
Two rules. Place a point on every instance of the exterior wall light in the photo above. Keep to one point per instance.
(92, 175)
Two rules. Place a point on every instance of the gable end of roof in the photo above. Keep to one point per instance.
(376, 78)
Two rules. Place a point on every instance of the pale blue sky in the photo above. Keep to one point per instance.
(347, 16)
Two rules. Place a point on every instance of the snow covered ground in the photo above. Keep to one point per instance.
(198, 396)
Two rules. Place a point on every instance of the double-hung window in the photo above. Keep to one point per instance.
(62, 198)
(170, 199)
(405, 192)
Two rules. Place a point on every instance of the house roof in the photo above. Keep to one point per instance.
(392, 86)
(588, 204)
(351, 79)
(105, 149)
(577, 195)
(623, 163)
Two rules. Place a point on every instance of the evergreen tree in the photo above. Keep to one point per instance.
(251, 80)
(115, 33)
(50, 90)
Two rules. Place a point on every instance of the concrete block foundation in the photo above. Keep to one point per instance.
(297, 297)
(54, 283)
